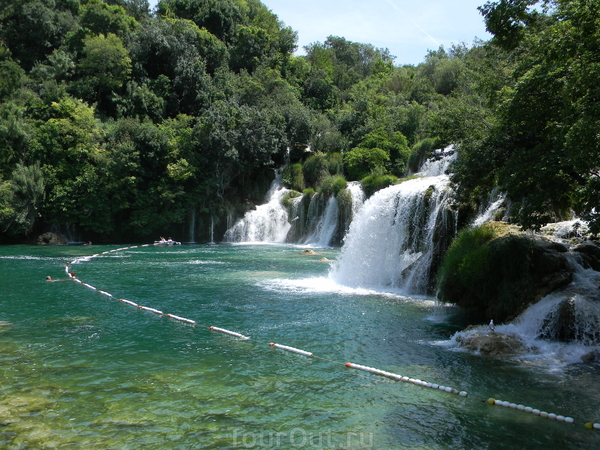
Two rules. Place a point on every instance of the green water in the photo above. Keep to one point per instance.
(80, 370)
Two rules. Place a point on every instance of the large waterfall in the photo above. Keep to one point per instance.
(399, 234)
(393, 240)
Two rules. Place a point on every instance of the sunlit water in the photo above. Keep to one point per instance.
(80, 370)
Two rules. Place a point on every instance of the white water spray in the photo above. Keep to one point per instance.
(267, 223)
(390, 243)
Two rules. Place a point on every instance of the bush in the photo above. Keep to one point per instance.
(286, 201)
(373, 183)
(361, 162)
(333, 185)
(487, 273)
(420, 152)
(293, 177)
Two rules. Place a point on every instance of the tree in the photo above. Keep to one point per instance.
(104, 68)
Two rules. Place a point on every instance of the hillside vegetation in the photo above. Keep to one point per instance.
(121, 122)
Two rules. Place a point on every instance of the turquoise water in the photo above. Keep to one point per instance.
(81, 370)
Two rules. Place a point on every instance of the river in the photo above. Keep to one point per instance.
(83, 370)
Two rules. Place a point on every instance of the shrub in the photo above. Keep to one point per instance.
(419, 153)
(373, 183)
(333, 185)
(487, 273)
(293, 177)
(286, 201)
(361, 162)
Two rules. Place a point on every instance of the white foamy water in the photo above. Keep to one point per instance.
(267, 223)
(390, 241)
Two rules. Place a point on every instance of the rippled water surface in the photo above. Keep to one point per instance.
(82, 370)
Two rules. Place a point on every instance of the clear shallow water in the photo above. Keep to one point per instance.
(80, 370)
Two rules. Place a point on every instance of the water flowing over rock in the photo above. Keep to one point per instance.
(315, 219)
(395, 239)
(267, 223)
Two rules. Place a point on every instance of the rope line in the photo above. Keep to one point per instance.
(372, 370)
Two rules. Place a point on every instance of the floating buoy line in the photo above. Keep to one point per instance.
(372, 370)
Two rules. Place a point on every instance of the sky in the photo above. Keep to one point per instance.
(408, 28)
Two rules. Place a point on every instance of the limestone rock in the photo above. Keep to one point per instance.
(490, 343)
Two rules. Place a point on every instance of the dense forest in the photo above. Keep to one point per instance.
(122, 122)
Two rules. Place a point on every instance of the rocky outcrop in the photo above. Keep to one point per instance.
(590, 255)
(50, 238)
(488, 342)
(501, 276)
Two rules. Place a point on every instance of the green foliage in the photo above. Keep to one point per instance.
(420, 152)
(374, 183)
(320, 166)
(492, 273)
(332, 185)
(360, 162)
(293, 177)
(286, 201)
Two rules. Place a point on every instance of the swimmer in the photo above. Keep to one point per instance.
(49, 279)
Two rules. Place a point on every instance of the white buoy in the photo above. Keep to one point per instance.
(291, 349)
(128, 302)
(105, 293)
(89, 286)
(536, 412)
(145, 308)
(181, 319)
(543, 414)
(232, 333)
(569, 420)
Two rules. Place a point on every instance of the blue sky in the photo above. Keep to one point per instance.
(408, 28)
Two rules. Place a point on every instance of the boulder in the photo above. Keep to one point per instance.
(590, 254)
(309, 252)
(488, 342)
(50, 238)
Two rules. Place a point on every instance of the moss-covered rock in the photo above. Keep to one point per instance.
(495, 271)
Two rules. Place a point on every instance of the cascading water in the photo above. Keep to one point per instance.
(562, 328)
(326, 225)
(397, 234)
(267, 223)
(358, 196)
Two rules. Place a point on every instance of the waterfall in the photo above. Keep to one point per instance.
(392, 242)
(267, 223)
(493, 205)
(358, 196)
(562, 328)
(192, 225)
(326, 225)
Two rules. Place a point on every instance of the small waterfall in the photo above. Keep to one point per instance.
(212, 229)
(192, 225)
(326, 225)
(358, 196)
(392, 242)
(562, 328)
(267, 223)
(489, 211)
